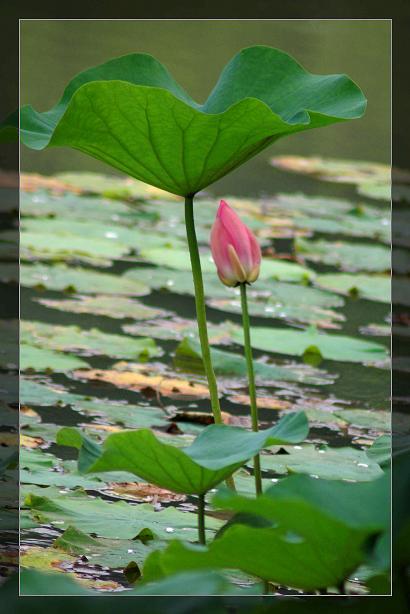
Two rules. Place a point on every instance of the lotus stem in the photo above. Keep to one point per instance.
(201, 519)
(251, 383)
(201, 314)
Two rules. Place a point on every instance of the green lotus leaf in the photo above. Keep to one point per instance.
(317, 536)
(117, 520)
(132, 114)
(90, 342)
(310, 342)
(215, 454)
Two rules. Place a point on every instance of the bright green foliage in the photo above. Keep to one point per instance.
(317, 536)
(216, 453)
(133, 115)
(313, 343)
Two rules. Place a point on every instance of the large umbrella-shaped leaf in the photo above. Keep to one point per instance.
(132, 114)
(216, 453)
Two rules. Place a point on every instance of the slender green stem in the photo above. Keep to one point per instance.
(200, 307)
(251, 383)
(201, 519)
(201, 314)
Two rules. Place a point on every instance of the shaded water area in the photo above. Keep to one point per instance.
(194, 53)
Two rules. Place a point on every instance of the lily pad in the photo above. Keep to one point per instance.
(285, 301)
(43, 245)
(144, 379)
(131, 113)
(118, 520)
(371, 287)
(72, 280)
(188, 357)
(111, 186)
(89, 342)
(71, 207)
(112, 553)
(323, 462)
(347, 256)
(122, 414)
(358, 222)
(41, 359)
(375, 420)
(109, 238)
(36, 393)
(301, 343)
(215, 454)
(338, 171)
(119, 307)
(177, 328)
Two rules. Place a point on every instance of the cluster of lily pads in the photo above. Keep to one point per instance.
(307, 532)
(124, 329)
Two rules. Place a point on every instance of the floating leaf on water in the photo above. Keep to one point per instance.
(47, 245)
(188, 357)
(45, 393)
(118, 307)
(347, 256)
(118, 520)
(104, 551)
(110, 238)
(74, 280)
(380, 191)
(42, 359)
(268, 308)
(178, 328)
(374, 420)
(376, 330)
(111, 186)
(71, 207)
(159, 384)
(336, 170)
(284, 270)
(371, 287)
(89, 342)
(331, 347)
(324, 462)
(363, 221)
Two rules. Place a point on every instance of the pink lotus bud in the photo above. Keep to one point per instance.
(234, 247)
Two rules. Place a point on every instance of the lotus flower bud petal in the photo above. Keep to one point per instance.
(235, 250)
